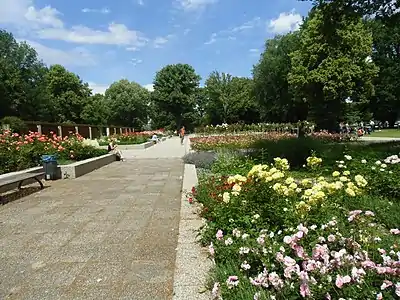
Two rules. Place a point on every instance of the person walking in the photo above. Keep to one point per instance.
(182, 134)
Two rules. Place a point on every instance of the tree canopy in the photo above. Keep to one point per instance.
(343, 64)
(175, 88)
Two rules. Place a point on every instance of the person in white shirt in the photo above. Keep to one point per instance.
(155, 139)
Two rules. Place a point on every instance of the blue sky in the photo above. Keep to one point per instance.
(103, 41)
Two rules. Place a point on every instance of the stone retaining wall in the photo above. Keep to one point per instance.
(83, 167)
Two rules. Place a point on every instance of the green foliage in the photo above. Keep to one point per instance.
(68, 94)
(331, 66)
(15, 124)
(21, 89)
(295, 150)
(385, 104)
(96, 111)
(175, 87)
(127, 103)
(231, 162)
(271, 83)
(230, 99)
(202, 160)
(126, 139)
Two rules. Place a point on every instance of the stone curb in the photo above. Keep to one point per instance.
(192, 264)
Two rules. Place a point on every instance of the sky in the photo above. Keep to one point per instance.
(104, 41)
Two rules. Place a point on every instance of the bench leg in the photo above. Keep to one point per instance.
(20, 184)
(38, 180)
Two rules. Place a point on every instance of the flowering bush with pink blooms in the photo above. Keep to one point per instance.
(253, 140)
(324, 234)
(18, 152)
(259, 127)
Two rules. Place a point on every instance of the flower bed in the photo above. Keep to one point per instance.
(250, 140)
(240, 141)
(19, 152)
(322, 233)
(259, 127)
(131, 138)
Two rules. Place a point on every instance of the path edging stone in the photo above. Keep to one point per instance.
(192, 263)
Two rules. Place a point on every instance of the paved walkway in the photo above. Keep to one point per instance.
(110, 234)
(171, 148)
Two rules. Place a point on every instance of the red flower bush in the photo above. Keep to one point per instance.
(19, 152)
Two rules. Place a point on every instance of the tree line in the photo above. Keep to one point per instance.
(343, 64)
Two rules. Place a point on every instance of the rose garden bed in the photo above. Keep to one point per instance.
(325, 230)
(19, 152)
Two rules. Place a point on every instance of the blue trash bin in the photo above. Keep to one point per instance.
(50, 166)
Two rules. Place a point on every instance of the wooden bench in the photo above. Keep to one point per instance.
(20, 178)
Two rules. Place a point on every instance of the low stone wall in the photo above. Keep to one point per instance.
(192, 264)
(83, 167)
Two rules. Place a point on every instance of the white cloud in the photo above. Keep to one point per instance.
(45, 23)
(98, 88)
(140, 2)
(193, 5)
(136, 61)
(212, 40)
(254, 50)
(160, 41)
(247, 25)
(23, 13)
(287, 21)
(149, 87)
(73, 57)
(117, 34)
(103, 10)
(231, 32)
(46, 16)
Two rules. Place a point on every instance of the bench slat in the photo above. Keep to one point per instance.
(19, 177)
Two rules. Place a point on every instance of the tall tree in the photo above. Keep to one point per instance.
(243, 100)
(175, 88)
(220, 108)
(128, 104)
(68, 94)
(386, 55)
(96, 111)
(22, 79)
(230, 99)
(332, 66)
(272, 91)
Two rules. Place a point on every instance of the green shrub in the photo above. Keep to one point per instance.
(202, 159)
(15, 123)
(296, 150)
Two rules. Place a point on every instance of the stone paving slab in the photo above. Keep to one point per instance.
(110, 234)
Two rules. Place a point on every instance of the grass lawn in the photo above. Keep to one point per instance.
(390, 133)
